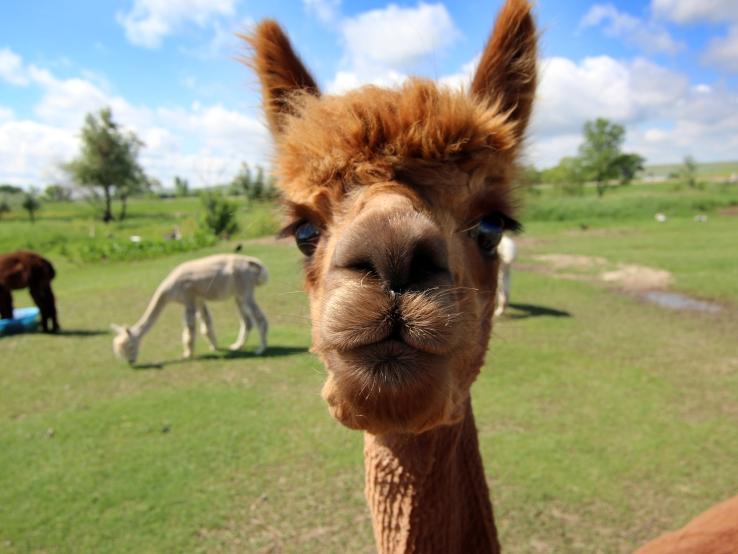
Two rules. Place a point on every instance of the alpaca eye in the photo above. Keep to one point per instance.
(307, 236)
(488, 234)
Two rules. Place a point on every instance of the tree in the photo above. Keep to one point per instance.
(138, 184)
(4, 207)
(181, 186)
(601, 150)
(108, 160)
(568, 176)
(628, 166)
(688, 171)
(57, 193)
(10, 189)
(241, 183)
(31, 205)
(220, 214)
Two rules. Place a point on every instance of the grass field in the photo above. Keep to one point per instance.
(604, 420)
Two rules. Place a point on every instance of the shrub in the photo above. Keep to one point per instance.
(220, 215)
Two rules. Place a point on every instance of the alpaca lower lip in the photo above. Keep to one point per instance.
(388, 354)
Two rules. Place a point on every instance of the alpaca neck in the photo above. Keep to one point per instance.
(156, 305)
(428, 493)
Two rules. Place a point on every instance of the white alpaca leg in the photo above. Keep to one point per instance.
(256, 315)
(245, 329)
(206, 325)
(188, 335)
(503, 290)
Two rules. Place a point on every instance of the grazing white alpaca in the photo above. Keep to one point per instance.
(506, 253)
(192, 283)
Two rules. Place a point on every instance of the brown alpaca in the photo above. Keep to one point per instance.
(21, 269)
(398, 199)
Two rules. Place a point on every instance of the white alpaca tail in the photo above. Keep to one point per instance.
(262, 275)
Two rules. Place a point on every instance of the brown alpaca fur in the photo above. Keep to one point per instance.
(19, 270)
(712, 532)
(401, 294)
(385, 189)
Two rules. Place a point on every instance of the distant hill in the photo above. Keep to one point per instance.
(715, 170)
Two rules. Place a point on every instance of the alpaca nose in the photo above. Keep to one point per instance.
(405, 250)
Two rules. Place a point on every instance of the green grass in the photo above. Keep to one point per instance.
(632, 202)
(599, 429)
(68, 228)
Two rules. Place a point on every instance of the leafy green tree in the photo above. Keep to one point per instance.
(601, 151)
(568, 176)
(529, 177)
(688, 172)
(241, 183)
(31, 205)
(628, 166)
(108, 160)
(57, 193)
(138, 184)
(10, 189)
(181, 186)
(4, 207)
(220, 214)
(602, 157)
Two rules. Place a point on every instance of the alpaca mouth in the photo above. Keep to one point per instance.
(391, 360)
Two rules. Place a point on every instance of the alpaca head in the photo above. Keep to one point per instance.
(398, 199)
(125, 344)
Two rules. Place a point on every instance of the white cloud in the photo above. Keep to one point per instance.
(326, 11)
(203, 143)
(347, 80)
(398, 37)
(30, 152)
(648, 35)
(461, 80)
(723, 51)
(692, 11)
(149, 21)
(571, 93)
(665, 116)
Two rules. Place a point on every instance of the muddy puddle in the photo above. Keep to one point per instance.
(677, 301)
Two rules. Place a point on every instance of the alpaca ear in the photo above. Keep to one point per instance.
(117, 329)
(280, 71)
(507, 68)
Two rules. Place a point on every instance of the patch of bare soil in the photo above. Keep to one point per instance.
(626, 277)
(558, 262)
(637, 278)
(731, 210)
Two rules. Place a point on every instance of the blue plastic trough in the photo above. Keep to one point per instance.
(24, 320)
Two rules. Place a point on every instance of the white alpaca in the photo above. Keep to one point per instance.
(506, 253)
(192, 283)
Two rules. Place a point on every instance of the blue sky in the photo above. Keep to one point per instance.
(667, 69)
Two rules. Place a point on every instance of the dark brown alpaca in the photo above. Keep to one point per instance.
(22, 269)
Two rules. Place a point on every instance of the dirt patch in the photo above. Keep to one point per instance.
(558, 262)
(637, 278)
(630, 278)
(731, 210)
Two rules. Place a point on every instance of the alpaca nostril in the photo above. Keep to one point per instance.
(405, 251)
